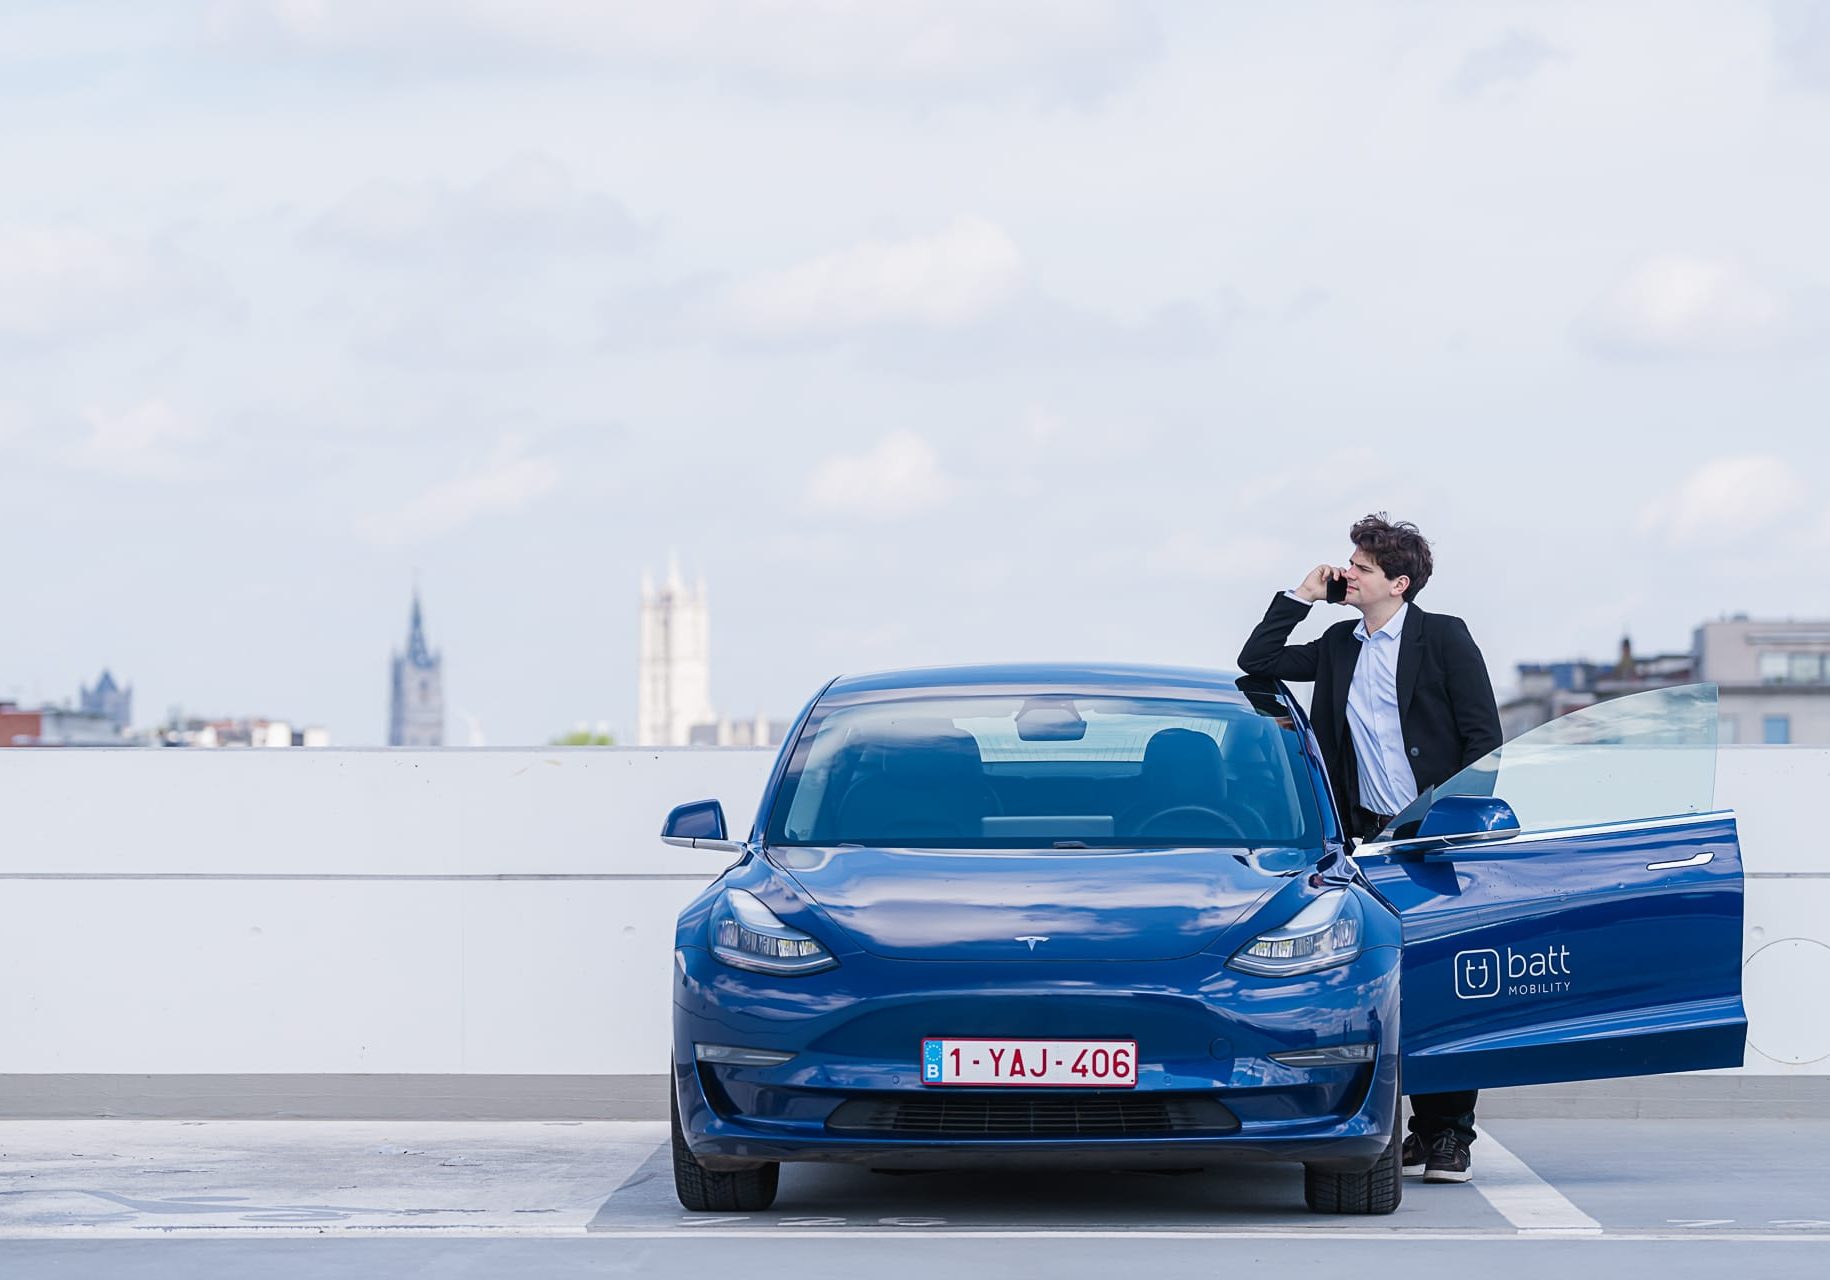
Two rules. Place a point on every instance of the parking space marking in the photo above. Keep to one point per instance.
(1311, 1234)
(1522, 1197)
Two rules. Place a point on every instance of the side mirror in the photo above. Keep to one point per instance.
(1467, 816)
(699, 825)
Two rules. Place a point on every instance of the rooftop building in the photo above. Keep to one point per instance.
(1773, 681)
(1547, 690)
(55, 727)
(250, 731)
(1773, 676)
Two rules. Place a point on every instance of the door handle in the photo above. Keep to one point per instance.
(1694, 860)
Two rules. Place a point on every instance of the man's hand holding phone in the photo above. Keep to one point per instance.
(1325, 582)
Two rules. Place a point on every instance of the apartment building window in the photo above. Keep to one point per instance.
(1776, 731)
(1780, 667)
(1728, 731)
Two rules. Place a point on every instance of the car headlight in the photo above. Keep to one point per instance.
(1323, 934)
(748, 935)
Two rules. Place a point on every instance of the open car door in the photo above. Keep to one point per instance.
(1571, 904)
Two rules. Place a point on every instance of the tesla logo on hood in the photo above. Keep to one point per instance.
(1030, 938)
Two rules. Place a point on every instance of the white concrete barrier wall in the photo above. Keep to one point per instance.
(482, 912)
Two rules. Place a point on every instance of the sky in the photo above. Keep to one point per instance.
(925, 332)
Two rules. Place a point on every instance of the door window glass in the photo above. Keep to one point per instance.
(1648, 755)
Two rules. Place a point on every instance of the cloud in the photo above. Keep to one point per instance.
(1801, 39)
(510, 479)
(957, 300)
(1678, 305)
(1044, 449)
(1059, 48)
(1817, 536)
(530, 205)
(944, 280)
(900, 477)
(1036, 329)
(1501, 68)
(148, 440)
(1191, 555)
(487, 329)
(1723, 500)
(65, 281)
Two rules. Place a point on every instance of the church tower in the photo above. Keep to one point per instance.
(416, 715)
(109, 701)
(676, 674)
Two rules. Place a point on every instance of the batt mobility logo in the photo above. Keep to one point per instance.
(1484, 973)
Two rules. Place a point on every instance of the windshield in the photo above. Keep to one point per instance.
(1059, 771)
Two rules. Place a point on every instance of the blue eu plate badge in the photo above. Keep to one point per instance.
(930, 1060)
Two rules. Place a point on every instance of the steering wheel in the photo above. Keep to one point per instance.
(1181, 811)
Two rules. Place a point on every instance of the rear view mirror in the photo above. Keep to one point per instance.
(1050, 720)
(699, 825)
(1467, 816)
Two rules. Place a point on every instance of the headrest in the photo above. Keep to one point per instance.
(926, 748)
(1249, 741)
(1181, 750)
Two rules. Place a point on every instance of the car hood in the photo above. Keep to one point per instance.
(1083, 904)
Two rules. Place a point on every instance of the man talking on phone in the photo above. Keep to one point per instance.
(1402, 701)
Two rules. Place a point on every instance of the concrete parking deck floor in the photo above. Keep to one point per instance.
(238, 1198)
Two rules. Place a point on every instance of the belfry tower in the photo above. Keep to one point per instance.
(416, 715)
(676, 675)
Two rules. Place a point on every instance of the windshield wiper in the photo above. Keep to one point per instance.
(1071, 844)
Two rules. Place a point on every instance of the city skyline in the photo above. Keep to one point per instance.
(1524, 683)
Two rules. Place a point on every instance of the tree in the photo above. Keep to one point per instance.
(583, 737)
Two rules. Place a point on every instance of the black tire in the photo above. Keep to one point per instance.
(706, 1190)
(1375, 1190)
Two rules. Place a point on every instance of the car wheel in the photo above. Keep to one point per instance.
(706, 1190)
(1374, 1190)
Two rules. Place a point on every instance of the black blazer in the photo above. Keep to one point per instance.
(1445, 698)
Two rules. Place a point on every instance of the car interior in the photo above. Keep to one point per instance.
(928, 781)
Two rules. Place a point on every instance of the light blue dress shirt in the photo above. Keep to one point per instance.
(1386, 781)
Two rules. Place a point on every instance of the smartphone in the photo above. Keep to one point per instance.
(1337, 590)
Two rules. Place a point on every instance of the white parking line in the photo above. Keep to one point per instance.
(1522, 1197)
(1311, 1234)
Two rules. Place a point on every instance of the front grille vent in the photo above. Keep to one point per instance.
(1034, 1115)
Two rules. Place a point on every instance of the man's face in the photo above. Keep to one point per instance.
(1367, 583)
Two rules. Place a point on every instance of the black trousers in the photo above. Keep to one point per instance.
(1431, 1113)
(1366, 823)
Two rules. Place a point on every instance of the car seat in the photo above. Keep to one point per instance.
(929, 785)
(1181, 770)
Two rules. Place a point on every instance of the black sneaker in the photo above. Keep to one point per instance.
(1413, 1157)
(1448, 1160)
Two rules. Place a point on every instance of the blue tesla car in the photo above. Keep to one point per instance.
(1105, 917)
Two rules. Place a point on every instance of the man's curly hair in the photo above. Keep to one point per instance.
(1398, 549)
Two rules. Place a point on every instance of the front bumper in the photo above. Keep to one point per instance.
(1203, 1032)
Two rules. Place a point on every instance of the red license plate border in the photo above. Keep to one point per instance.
(1030, 1084)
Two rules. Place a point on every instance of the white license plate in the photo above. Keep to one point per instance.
(1107, 1064)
